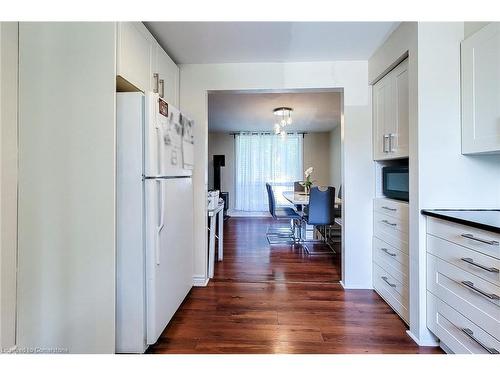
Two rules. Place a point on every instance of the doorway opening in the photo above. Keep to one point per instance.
(247, 150)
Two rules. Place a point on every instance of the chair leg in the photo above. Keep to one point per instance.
(323, 241)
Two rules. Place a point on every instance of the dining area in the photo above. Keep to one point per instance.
(312, 217)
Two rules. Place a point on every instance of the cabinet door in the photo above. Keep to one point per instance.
(382, 117)
(134, 54)
(481, 91)
(398, 134)
(168, 71)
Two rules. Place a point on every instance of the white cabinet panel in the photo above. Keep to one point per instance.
(134, 54)
(66, 225)
(481, 91)
(450, 284)
(399, 145)
(168, 73)
(458, 333)
(391, 114)
(382, 117)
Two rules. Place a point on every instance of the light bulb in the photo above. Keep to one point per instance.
(283, 122)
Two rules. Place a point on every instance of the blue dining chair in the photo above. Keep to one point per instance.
(321, 211)
(280, 213)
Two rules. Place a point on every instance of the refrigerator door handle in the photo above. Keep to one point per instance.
(161, 224)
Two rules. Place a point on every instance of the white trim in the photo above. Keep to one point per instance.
(342, 284)
(354, 286)
(200, 281)
(429, 342)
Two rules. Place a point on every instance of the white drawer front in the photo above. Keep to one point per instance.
(394, 292)
(456, 331)
(479, 240)
(391, 230)
(447, 282)
(391, 207)
(391, 259)
(481, 265)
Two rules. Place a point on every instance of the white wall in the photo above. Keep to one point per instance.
(223, 144)
(352, 76)
(8, 182)
(334, 138)
(66, 280)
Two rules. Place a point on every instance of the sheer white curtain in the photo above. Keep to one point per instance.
(261, 158)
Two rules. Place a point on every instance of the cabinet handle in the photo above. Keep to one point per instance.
(387, 252)
(162, 85)
(471, 261)
(386, 137)
(387, 281)
(470, 285)
(390, 142)
(156, 78)
(389, 223)
(488, 242)
(389, 208)
(470, 334)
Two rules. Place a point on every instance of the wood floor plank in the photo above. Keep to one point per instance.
(278, 299)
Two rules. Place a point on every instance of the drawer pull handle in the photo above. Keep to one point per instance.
(387, 252)
(470, 285)
(389, 223)
(389, 208)
(470, 334)
(488, 242)
(471, 261)
(387, 281)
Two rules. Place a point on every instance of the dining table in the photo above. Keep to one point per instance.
(299, 199)
(302, 199)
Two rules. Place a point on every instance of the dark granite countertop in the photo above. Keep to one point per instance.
(481, 219)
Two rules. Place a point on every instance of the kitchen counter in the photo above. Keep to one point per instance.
(482, 219)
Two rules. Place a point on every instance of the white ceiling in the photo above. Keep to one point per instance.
(230, 111)
(236, 42)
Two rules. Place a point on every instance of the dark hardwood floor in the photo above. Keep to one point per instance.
(278, 299)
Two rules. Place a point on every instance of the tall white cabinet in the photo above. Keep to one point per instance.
(481, 91)
(390, 114)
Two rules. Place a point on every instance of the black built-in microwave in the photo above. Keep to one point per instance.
(395, 182)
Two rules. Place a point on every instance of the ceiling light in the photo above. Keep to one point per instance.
(285, 114)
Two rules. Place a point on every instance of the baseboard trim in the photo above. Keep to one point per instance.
(342, 284)
(429, 342)
(200, 281)
(355, 286)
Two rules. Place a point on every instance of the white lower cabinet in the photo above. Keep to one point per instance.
(463, 289)
(390, 254)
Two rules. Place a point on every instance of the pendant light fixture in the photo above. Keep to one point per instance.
(284, 118)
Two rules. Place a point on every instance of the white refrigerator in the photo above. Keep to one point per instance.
(154, 217)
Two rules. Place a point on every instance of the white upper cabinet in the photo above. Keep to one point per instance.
(390, 114)
(168, 76)
(481, 91)
(381, 117)
(142, 63)
(134, 54)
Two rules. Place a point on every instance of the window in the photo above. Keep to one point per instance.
(261, 158)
